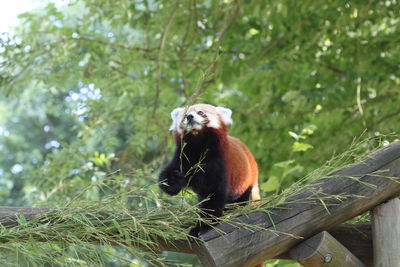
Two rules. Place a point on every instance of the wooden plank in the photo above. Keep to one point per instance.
(8, 215)
(362, 186)
(386, 234)
(324, 250)
(357, 238)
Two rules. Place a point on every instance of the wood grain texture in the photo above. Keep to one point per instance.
(324, 250)
(357, 238)
(8, 215)
(386, 234)
(365, 185)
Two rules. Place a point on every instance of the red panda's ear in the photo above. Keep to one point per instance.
(226, 114)
(176, 118)
(175, 113)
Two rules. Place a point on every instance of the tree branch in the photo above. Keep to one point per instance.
(123, 46)
(160, 54)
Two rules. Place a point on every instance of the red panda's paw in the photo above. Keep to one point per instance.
(199, 230)
(171, 182)
(194, 232)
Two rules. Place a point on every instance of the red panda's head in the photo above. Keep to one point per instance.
(196, 118)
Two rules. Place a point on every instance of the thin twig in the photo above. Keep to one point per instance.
(160, 54)
(124, 73)
(211, 69)
(359, 106)
(124, 46)
(386, 117)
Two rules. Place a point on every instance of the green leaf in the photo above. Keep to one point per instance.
(271, 185)
(309, 130)
(21, 220)
(284, 164)
(298, 147)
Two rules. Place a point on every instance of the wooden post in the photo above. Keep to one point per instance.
(386, 234)
(357, 238)
(324, 250)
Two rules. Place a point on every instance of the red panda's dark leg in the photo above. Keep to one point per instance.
(211, 208)
(210, 185)
(244, 197)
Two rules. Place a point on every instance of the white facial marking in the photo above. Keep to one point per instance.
(196, 117)
(196, 121)
(213, 120)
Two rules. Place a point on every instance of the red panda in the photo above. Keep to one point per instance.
(216, 166)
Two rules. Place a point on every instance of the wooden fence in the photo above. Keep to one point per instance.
(353, 190)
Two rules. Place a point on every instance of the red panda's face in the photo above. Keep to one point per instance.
(195, 118)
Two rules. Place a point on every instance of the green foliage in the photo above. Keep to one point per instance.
(87, 88)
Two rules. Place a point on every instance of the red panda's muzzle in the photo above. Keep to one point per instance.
(189, 119)
(194, 123)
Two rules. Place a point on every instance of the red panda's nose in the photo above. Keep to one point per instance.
(189, 117)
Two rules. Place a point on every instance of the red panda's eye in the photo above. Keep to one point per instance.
(201, 113)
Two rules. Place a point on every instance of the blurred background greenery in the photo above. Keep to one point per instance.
(87, 87)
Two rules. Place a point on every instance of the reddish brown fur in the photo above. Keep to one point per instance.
(240, 165)
(241, 168)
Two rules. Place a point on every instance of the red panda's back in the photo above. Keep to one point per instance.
(241, 168)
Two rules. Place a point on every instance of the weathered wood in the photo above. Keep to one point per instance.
(361, 186)
(324, 250)
(357, 238)
(386, 234)
(8, 215)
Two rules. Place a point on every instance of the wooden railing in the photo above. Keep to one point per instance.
(308, 214)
